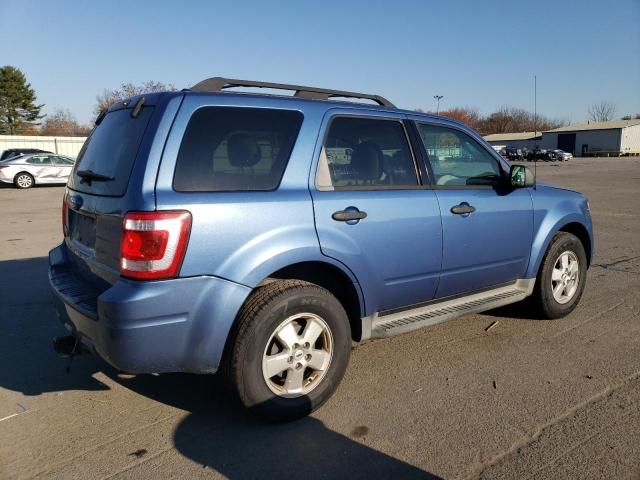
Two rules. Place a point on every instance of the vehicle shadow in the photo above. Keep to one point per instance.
(217, 433)
(523, 310)
(45, 185)
(28, 323)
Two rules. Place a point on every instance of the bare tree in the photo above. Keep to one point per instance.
(467, 115)
(509, 120)
(63, 123)
(631, 117)
(602, 111)
(505, 120)
(126, 90)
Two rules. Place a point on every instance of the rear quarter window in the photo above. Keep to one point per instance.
(235, 149)
(111, 150)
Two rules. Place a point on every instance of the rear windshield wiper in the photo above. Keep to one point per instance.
(89, 176)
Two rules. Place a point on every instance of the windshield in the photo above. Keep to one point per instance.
(110, 151)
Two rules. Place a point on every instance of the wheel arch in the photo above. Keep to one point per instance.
(573, 224)
(580, 231)
(332, 278)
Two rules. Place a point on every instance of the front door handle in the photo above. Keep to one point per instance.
(349, 215)
(462, 209)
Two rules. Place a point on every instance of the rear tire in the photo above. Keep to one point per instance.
(23, 180)
(561, 278)
(289, 350)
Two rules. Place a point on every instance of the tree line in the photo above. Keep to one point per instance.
(20, 114)
(504, 120)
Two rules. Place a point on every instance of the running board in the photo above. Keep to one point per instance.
(408, 320)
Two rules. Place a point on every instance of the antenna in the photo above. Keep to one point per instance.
(535, 128)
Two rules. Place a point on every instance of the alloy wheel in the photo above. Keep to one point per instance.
(565, 277)
(297, 355)
(24, 181)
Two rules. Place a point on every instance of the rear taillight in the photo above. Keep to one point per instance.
(153, 244)
(65, 217)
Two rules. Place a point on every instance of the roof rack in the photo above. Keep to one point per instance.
(218, 84)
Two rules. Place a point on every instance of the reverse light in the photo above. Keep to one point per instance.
(153, 244)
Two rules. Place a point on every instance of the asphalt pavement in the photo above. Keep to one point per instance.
(526, 398)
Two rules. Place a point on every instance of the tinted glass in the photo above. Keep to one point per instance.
(64, 160)
(111, 150)
(457, 159)
(363, 152)
(39, 160)
(233, 148)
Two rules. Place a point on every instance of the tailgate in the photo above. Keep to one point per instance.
(103, 187)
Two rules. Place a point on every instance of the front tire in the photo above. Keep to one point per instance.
(23, 180)
(562, 277)
(289, 350)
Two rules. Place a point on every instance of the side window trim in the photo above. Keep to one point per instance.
(427, 160)
(414, 156)
(420, 154)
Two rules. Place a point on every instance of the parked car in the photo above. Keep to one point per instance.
(26, 171)
(538, 154)
(260, 235)
(513, 154)
(16, 152)
(560, 155)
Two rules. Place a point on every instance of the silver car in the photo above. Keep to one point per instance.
(561, 155)
(26, 171)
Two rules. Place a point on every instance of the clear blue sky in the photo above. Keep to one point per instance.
(476, 53)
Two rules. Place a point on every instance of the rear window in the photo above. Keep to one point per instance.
(235, 149)
(111, 150)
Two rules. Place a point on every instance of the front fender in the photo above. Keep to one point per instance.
(547, 222)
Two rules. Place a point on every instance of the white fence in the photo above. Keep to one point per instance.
(69, 146)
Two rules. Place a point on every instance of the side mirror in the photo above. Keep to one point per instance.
(521, 177)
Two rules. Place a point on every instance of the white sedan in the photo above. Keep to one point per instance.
(26, 171)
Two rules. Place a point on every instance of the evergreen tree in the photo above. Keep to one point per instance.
(18, 111)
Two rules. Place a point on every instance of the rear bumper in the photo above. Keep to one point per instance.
(178, 325)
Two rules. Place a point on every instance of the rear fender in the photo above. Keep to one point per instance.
(277, 249)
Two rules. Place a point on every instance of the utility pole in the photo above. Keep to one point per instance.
(438, 97)
(535, 105)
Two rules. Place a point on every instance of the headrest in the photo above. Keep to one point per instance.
(366, 161)
(243, 150)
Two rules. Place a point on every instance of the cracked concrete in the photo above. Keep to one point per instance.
(525, 399)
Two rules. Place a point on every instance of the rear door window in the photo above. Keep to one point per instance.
(235, 149)
(63, 160)
(39, 160)
(366, 153)
(111, 151)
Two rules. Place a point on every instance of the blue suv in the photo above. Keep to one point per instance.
(260, 235)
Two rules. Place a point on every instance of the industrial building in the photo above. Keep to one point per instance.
(529, 140)
(613, 138)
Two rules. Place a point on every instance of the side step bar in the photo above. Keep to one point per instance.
(408, 320)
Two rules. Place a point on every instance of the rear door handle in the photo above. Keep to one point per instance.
(350, 214)
(462, 209)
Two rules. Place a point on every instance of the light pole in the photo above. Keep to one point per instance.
(438, 97)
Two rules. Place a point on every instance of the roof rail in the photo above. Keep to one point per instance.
(218, 84)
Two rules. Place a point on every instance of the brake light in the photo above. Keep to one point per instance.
(153, 244)
(65, 217)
